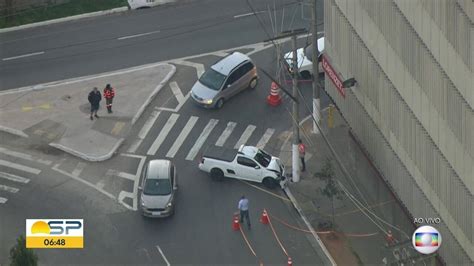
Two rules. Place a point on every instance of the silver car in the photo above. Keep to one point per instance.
(159, 186)
(224, 79)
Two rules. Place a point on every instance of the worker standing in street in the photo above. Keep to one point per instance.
(109, 94)
(94, 99)
(244, 210)
(302, 152)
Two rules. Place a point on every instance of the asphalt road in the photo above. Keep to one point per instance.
(94, 45)
(200, 231)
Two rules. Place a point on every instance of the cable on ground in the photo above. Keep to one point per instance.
(250, 246)
(276, 237)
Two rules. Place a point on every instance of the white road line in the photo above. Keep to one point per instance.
(163, 255)
(126, 176)
(14, 178)
(182, 136)
(245, 136)
(3, 200)
(144, 131)
(248, 14)
(164, 132)
(24, 156)
(225, 134)
(20, 167)
(9, 189)
(202, 138)
(79, 168)
(138, 35)
(199, 67)
(177, 91)
(22, 56)
(265, 138)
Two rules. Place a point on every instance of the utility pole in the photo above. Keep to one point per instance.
(296, 126)
(315, 57)
(295, 97)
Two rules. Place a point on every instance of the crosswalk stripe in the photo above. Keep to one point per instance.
(14, 178)
(144, 131)
(3, 200)
(245, 136)
(79, 168)
(164, 132)
(20, 167)
(182, 136)
(225, 134)
(202, 138)
(265, 138)
(9, 189)
(24, 156)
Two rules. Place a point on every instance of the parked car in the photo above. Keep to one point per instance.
(248, 163)
(224, 79)
(304, 59)
(158, 189)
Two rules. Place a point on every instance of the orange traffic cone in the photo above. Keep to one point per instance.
(290, 262)
(274, 98)
(235, 223)
(264, 218)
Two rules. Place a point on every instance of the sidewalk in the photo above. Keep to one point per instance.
(57, 114)
(359, 239)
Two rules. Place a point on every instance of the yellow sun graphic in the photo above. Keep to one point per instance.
(40, 227)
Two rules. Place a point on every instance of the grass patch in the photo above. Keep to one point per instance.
(74, 7)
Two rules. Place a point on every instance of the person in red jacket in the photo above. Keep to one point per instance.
(302, 152)
(109, 94)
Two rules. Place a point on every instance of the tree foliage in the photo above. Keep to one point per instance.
(22, 256)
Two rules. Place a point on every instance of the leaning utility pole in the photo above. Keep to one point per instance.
(315, 58)
(296, 126)
(295, 97)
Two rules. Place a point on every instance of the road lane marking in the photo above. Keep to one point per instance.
(79, 168)
(24, 156)
(225, 134)
(9, 189)
(117, 128)
(199, 67)
(202, 138)
(248, 14)
(164, 132)
(137, 35)
(182, 136)
(22, 56)
(245, 136)
(265, 138)
(144, 131)
(20, 167)
(3, 200)
(176, 91)
(14, 178)
(136, 179)
(163, 255)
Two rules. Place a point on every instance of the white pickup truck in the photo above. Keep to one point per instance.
(248, 163)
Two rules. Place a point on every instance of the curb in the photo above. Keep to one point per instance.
(154, 93)
(88, 157)
(12, 131)
(71, 18)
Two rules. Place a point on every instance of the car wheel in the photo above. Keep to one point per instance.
(253, 83)
(217, 174)
(269, 182)
(219, 103)
(306, 75)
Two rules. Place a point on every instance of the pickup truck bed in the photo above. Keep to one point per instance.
(219, 153)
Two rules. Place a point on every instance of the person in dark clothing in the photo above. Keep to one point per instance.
(94, 99)
(109, 94)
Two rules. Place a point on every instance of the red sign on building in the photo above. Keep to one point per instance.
(331, 73)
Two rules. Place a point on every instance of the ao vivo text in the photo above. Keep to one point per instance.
(427, 220)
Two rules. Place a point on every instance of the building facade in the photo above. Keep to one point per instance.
(412, 107)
